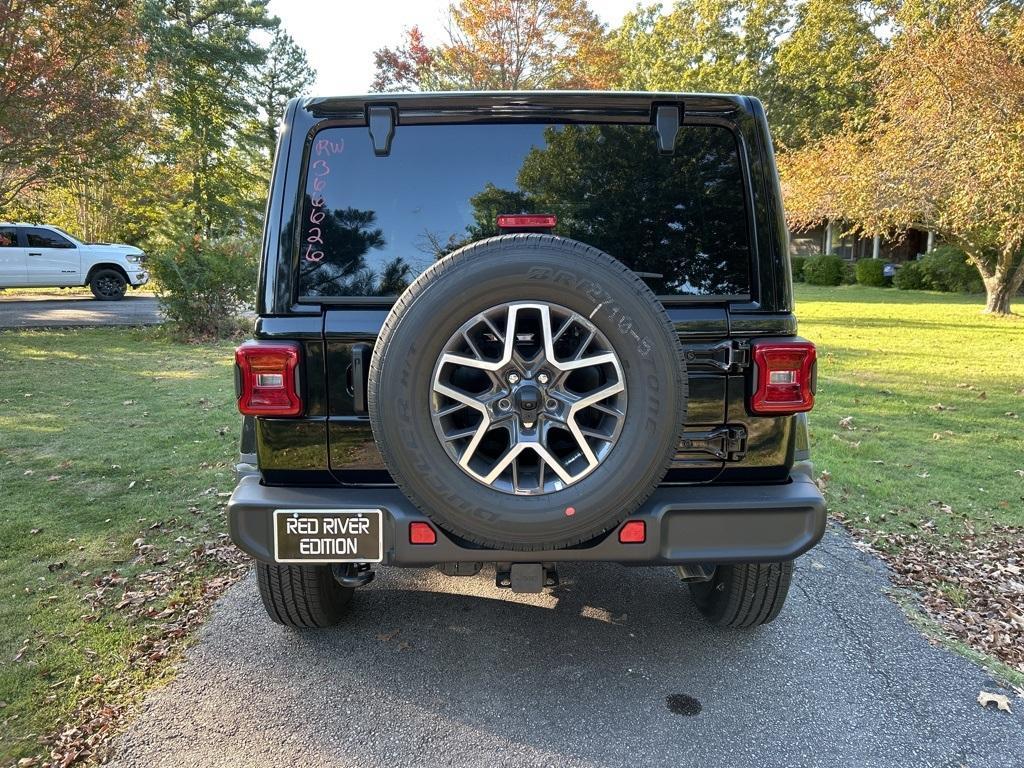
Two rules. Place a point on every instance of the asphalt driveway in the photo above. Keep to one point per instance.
(613, 669)
(73, 310)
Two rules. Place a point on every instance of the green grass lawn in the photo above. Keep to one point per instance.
(115, 448)
(935, 445)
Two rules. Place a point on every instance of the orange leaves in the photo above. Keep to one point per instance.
(506, 45)
(942, 150)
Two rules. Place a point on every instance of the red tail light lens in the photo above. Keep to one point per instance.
(268, 384)
(527, 221)
(783, 377)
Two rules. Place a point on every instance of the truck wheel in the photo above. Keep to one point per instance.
(108, 285)
(527, 392)
(302, 596)
(744, 594)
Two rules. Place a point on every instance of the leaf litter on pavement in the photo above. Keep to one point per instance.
(975, 591)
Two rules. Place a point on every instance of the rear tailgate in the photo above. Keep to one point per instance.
(377, 203)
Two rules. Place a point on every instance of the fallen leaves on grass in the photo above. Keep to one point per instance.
(822, 481)
(847, 423)
(941, 407)
(1002, 702)
(147, 599)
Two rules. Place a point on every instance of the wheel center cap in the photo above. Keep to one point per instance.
(527, 403)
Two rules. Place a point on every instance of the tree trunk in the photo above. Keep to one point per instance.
(999, 292)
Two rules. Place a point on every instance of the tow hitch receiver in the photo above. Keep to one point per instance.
(525, 577)
(353, 575)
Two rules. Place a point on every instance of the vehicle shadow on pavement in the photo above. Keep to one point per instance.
(428, 670)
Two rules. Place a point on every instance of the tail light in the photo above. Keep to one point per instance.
(268, 378)
(784, 377)
(529, 221)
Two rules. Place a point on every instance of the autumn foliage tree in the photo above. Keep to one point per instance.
(67, 72)
(942, 150)
(503, 45)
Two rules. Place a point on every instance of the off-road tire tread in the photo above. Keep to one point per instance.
(459, 259)
(745, 594)
(302, 596)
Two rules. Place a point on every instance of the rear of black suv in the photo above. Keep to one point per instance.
(522, 329)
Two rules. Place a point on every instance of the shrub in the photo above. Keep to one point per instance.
(849, 273)
(909, 277)
(203, 285)
(825, 269)
(871, 272)
(798, 268)
(946, 269)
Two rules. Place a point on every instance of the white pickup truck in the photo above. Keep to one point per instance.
(43, 256)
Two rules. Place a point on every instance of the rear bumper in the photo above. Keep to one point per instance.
(691, 524)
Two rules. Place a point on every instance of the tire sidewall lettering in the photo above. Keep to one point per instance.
(600, 298)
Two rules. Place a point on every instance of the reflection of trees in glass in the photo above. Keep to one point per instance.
(348, 234)
(681, 217)
(487, 205)
(436, 246)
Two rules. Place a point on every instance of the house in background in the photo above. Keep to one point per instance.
(828, 237)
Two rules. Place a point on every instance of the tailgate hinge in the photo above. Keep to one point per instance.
(725, 443)
(725, 355)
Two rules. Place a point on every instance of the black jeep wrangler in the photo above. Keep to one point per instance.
(522, 329)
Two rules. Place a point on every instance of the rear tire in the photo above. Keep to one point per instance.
(743, 594)
(302, 596)
(108, 285)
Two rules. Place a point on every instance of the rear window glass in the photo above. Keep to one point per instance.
(371, 224)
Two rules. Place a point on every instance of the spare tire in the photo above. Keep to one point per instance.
(527, 392)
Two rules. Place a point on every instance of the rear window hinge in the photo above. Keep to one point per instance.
(725, 443)
(725, 355)
(381, 120)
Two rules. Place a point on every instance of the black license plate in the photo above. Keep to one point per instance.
(328, 536)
